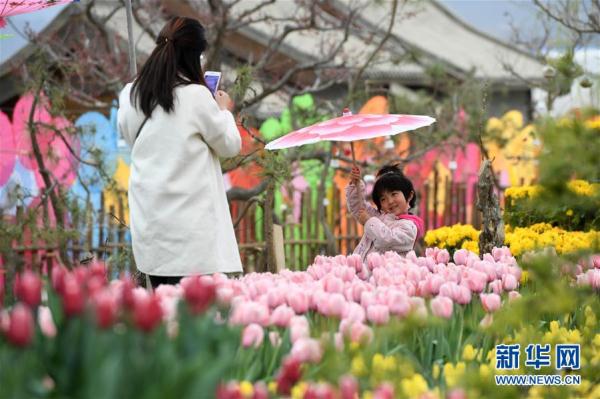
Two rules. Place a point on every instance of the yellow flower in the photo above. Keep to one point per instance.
(272, 386)
(415, 386)
(484, 371)
(524, 277)
(299, 390)
(454, 373)
(367, 395)
(358, 367)
(246, 389)
(436, 371)
(469, 353)
(569, 212)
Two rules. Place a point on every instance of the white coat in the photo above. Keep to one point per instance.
(179, 216)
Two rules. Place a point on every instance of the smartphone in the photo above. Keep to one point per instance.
(212, 80)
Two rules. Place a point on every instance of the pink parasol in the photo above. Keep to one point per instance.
(350, 127)
(14, 7)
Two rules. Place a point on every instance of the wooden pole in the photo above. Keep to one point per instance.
(132, 58)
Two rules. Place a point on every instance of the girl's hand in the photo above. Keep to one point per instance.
(223, 100)
(363, 216)
(355, 175)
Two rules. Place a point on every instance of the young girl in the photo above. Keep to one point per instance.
(389, 227)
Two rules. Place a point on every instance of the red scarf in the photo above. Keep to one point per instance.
(416, 220)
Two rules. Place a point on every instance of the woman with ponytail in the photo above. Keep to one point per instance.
(179, 215)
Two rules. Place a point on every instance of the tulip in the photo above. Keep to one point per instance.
(298, 300)
(378, 314)
(490, 302)
(252, 335)
(496, 287)
(487, 320)
(20, 330)
(106, 308)
(28, 288)
(199, 292)
(461, 256)
(361, 333)
(147, 312)
(384, 391)
(442, 306)
(274, 338)
(260, 391)
(288, 375)
(442, 256)
(1, 287)
(513, 296)
(72, 296)
(464, 295)
(509, 282)
(594, 278)
(334, 305)
(281, 316)
(228, 391)
(307, 350)
(46, 322)
(476, 280)
(348, 387)
(57, 276)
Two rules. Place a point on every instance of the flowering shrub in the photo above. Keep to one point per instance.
(519, 239)
(528, 205)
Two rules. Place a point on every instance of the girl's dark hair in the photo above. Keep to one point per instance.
(392, 168)
(393, 180)
(174, 61)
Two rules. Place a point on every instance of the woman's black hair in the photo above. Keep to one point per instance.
(174, 61)
(392, 179)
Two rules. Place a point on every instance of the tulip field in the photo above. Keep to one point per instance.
(393, 327)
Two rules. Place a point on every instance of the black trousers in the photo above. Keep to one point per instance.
(158, 280)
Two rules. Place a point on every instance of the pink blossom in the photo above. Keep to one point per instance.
(338, 341)
(245, 313)
(105, 308)
(355, 261)
(513, 296)
(374, 260)
(399, 303)
(274, 338)
(21, 327)
(276, 297)
(361, 333)
(252, 336)
(496, 287)
(378, 314)
(593, 277)
(28, 288)
(46, 321)
(307, 350)
(384, 391)
(487, 320)
(461, 256)
(463, 295)
(476, 280)
(333, 284)
(298, 300)
(509, 282)
(418, 307)
(224, 295)
(349, 387)
(442, 256)
(281, 316)
(354, 312)
(442, 306)
(490, 302)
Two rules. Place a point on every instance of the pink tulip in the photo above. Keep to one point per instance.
(57, 276)
(338, 341)
(361, 333)
(476, 280)
(20, 330)
(463, 296)
(487, 320)
(1, 286)
(106, 308)
(354, 312)
(442, 256)
(442, 306)
(374, 260)
(307, 350)
(496, 287)
(333, 284)
(355, 262)
(281, 316)
(509, 282)
(224, 295)
(274, 338)
(367, 299)
(513, 296)
(384, 391)
(260, 391)
(298, 300)
(490, 302)
(245, 313)
(46, 322)
(28, 288)
(593, 277)
(199, 292)
(252, 336)
(418, 306)
(457, 393)
(147, 312)
(276, 297)
(349, 388)
(378, 314)
(299, 331)
(334, 305)
(460, 257)
(596, 261)
(72, 296)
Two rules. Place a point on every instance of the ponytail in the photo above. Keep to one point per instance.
(174, 61)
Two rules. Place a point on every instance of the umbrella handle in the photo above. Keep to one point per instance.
(353, 156)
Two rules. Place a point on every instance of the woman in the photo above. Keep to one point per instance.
(180, 220)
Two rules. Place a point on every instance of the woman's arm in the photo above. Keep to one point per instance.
(401, 235)
(216, 126)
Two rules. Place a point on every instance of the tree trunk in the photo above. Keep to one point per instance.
(270, 264)
(492, 231)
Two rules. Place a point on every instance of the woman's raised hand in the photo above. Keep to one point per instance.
(223, 100)
(355, 175)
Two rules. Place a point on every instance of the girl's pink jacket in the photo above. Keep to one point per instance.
(382, 232)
